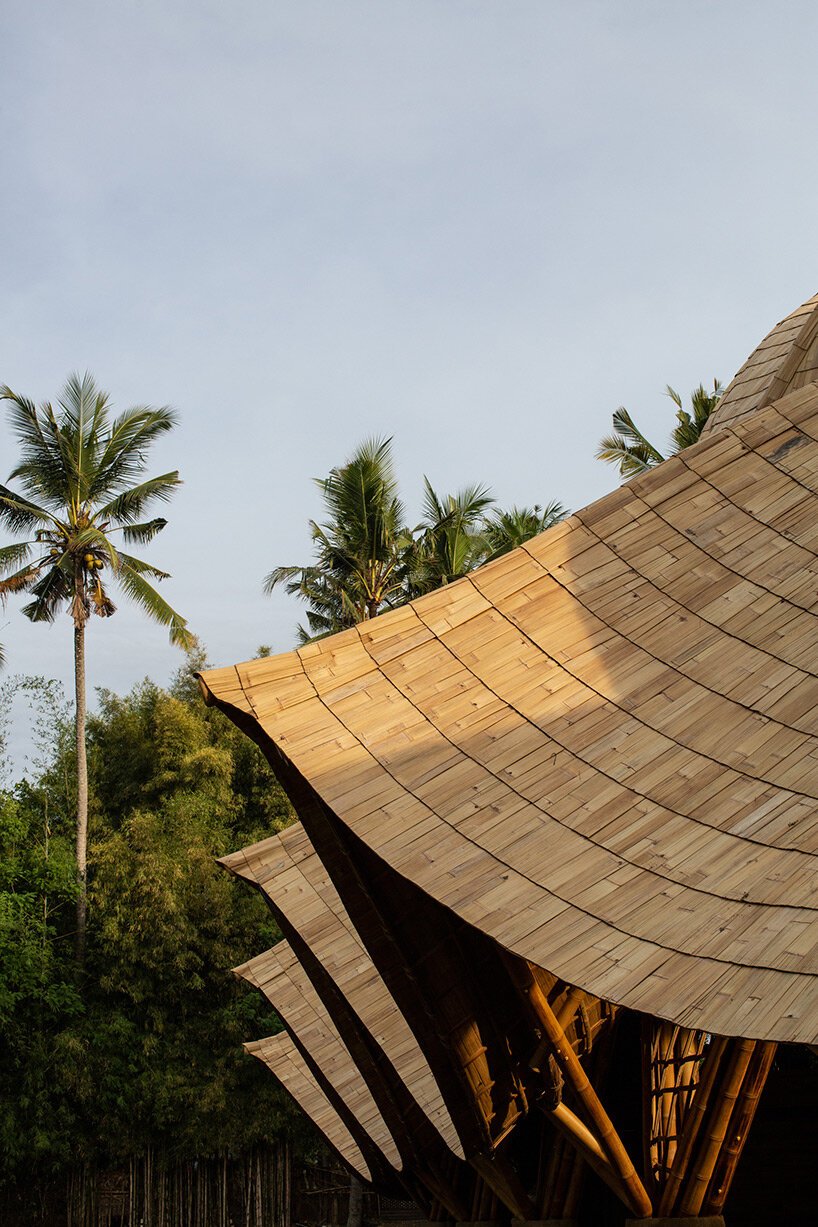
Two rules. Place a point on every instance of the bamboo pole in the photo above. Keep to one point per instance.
(568, 1008)
(630, 1188)
(647, 1036)
(739, 1127)
(696, 1188)
(550, 1147)
(692, 1125)
(505, 1184)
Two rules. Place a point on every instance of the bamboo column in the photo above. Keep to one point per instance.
(629, 1186)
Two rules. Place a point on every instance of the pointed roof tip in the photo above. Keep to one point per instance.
(223, 687)
(204, 690)
(242, 971)
(785, 360)
(236, 863)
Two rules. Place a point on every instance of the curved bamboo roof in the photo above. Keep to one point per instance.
(602, 749)
(287, 868)
(785, 360)
(280, 1055)
(282, 979)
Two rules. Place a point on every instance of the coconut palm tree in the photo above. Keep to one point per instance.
(505, 530)
(77, 495)
(450, 540)
(633, 453)
(359, 549)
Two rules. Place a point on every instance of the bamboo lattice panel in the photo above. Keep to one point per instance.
(602, 749)
(280, 1055)
(287, 868)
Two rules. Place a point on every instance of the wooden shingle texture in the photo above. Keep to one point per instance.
(602, 749)
(282, 979)
(287, 868)
(786, 359)
(281, 1056)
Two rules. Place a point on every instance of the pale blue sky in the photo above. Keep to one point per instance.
(475, 226)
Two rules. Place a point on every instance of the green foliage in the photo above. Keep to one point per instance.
(359, 548)
(368, 560)
(77, 486)
(450, 541)
(144, 1046)
(632, 453)
(39, 1000)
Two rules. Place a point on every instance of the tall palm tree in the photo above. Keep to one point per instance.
(633, 453)
(359, 549)
(77, 486)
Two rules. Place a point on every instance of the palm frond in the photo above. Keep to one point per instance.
(50, 591)
(41, 466)
(13, 555)
(689, 427)
(124, 456)
(128, 506)
(280, 575)
(627, 447)
(98, 600)
(141, 567)
(625, 426)
(505, 530)
(141, 534)
(19, 514)
(143, 594)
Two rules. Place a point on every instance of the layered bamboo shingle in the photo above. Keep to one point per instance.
(286, 868)
(282, 979)
(281, 1056)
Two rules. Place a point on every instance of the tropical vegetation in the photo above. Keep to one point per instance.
(145, 1052)
(80, 492)
(632, 452)
(367, 558)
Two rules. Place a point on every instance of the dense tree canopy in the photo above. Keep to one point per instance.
(149, 1051)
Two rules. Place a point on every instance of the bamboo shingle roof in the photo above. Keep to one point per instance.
(286, 985)
(288, 869)
(786, 359)
(602, 749)
(280, 1055)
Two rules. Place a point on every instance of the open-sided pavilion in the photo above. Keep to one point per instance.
(551, 902)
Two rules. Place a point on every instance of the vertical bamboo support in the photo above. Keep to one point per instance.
(647, 1030)
(693, 1123)
(740, 1122)
(550, 1150)
(693, 1197)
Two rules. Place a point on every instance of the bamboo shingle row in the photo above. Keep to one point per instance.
(282, 979)
(281, 1056)
(287, 868)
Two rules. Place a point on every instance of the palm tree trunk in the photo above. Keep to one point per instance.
(82, 787)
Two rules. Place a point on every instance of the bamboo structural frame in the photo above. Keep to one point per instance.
(558, 819)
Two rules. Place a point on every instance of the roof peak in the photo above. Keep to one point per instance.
(785, 360)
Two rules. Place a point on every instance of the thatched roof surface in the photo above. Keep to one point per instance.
(602, 749)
